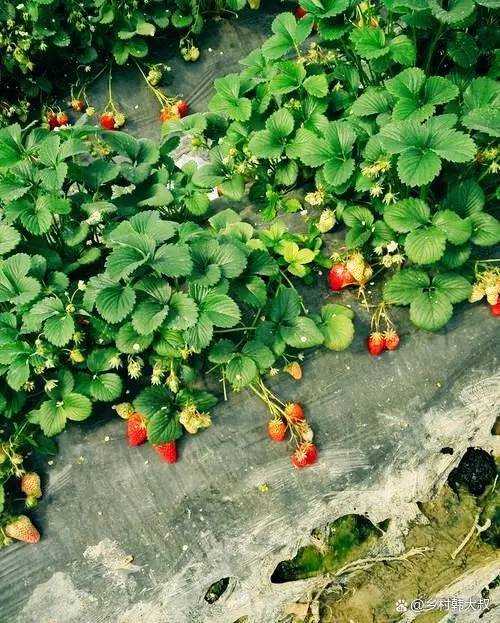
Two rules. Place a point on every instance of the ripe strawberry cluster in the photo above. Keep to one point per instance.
(348, 271)
(57, 119)
(137, 434)
(291, 419)
(112, 120)
(21, 528)
(178, 110)
(378, 342)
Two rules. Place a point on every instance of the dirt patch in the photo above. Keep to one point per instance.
(457, 535)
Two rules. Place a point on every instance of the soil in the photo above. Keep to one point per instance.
(452, 549)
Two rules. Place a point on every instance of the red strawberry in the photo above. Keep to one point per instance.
(276, 429)
(107, 121)
(339, 277)
(300, 12)
(62, 118)
(30, 485)
(306, 454)
(52, 120)
(495, 309)
(136, 429)
(311, 453)
(376, 343)
(182, 107)
(391, 340)
(167, 451)
(22, 529)
(294, 412)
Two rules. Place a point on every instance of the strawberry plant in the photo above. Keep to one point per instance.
(389, 120)
(42, 41)
(112, 289)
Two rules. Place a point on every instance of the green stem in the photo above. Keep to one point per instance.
(234, 330)
(432, 48)
(294, 288)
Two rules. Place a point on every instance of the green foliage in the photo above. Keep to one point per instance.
(109, 291)
(391, 116)
(40, 40)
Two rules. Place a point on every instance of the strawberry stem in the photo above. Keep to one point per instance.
(163, 99)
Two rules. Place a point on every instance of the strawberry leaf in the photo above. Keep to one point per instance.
(430, 310)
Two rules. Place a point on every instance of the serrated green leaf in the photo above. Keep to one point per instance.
(260, 353)
(431, 310)
(148, 316)
(129, 341)
(106, 387)
(200, 335)
(324, 8)
(455, 11)
(18, 373)
(403, 50)
(183, 312)
(301, 332)
(59, 329)
(417, 167)
(406, 215)
(369, 42)
(115, 303)
(51, 419)
(228, 99)
(122, 261)
(288, 33)
(454, 146)
(241, 371)
(374, 101)
(221, 310)
(463, 49)
(289, 77)
(231, 260)
(454, 257)
(405, 285)
(317, 85)
(9, 238)
(425, 245)
(163, 427)
(485, 119)
(337, 327)
(152, 400)
(485, 229)
(285, 306)
(457, 230)
(466, 198)
(172, 260)
(455, 287)
(252, 291)
(221, 351)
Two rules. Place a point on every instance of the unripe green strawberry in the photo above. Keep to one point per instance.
(30, 485)
(22, 529)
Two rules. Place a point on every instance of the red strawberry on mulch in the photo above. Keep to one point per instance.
(167, 451)
(136, 429)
